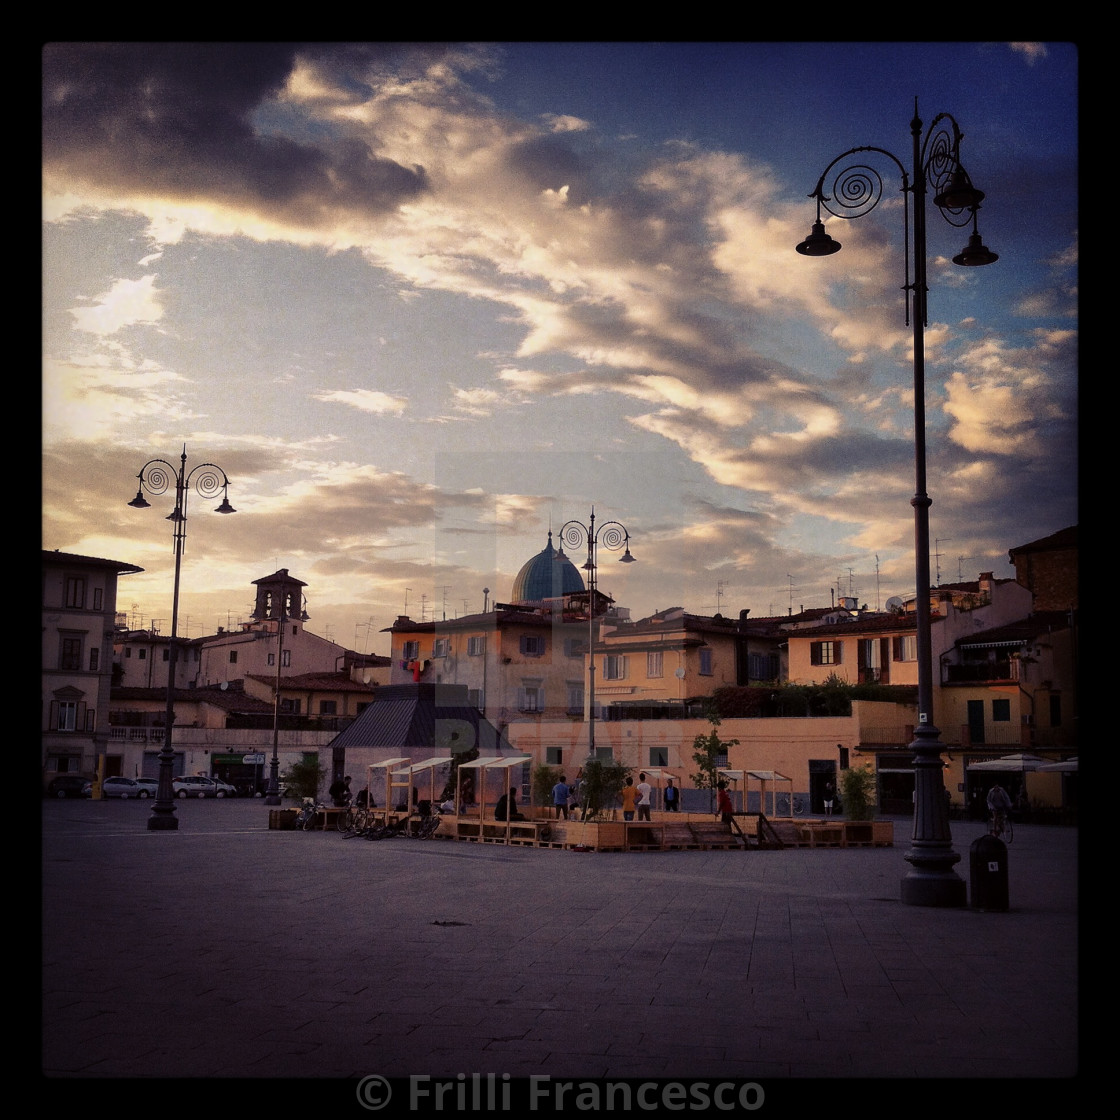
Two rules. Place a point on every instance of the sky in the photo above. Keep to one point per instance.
(425, 303)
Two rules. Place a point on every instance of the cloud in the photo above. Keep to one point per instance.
(126, 303)
(365, 400)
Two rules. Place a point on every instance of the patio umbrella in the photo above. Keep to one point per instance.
(1020, 763)
(1067, 766)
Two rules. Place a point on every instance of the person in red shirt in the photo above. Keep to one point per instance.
(724, 809)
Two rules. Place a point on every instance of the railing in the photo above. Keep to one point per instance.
(136, 734)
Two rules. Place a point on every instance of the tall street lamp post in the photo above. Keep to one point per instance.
(854, 189)
(612, 535)
(272, 795)
(156, 477)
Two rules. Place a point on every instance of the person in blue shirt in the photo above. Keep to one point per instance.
(560, 795)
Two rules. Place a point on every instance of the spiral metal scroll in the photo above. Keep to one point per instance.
(209, 483)
(855, 191)
(157, 477)
(610, 535)
(942, 158)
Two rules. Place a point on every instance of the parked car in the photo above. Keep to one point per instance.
(69, 785)
(122, 787)
(197, 785)
(151, 786)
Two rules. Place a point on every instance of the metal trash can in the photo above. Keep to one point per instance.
(987, 860)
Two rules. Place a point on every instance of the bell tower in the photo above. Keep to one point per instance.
(279, 595)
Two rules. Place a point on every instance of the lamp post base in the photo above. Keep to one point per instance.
(272, 799)
(934, 888)
(163, 822)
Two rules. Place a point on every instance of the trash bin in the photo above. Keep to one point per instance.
(988, 868)
(283, 819)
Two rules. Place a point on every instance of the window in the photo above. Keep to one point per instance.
(97, 598)
(328, 707)
(575, 696)
(233, 657)
(167, 653)
(604, 754)
(659, 756)
(476, 698)
(825, 653)
(574, 647)
(1001, 711)
(655, 663)
(553, 756)
(67, 715)
(286, 658)
(128, 651)
(614, 667)
(94, 659)
(705, 661)
(442, 647)
(905, 647)
(532, 645)
(272, 658)
(410, 651)
(530, 696)
(141, 655)
(76, 592)
(476, 646)
(292, 707)
(70, 653)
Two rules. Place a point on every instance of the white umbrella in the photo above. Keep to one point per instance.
(1010, 763)
(1068, 766)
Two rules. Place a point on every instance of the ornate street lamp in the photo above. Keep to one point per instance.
(156, 477)
(855, 188)
(612, 535)
(272, 795)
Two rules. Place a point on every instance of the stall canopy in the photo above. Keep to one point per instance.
(1066, 766)
(500, 763)
(1010, 763)
(768, 781)
(406, 775)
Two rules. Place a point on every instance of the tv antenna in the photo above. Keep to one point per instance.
(937, 558)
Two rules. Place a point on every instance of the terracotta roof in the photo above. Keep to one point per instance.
(1062, 539)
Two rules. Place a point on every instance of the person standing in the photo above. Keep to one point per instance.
(629, 800)
(829, 798)
(672, 797)
(724, 809)
(560, 795)
(999, 805)
(340, 792)
(645, 798)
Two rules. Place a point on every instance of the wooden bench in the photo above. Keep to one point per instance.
(329, 818)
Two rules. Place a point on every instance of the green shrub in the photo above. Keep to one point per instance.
(858, 793)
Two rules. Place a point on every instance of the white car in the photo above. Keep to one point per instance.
(122, 787)
(196, 785)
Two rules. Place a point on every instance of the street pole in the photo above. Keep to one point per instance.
(855, 189)
(156, 477)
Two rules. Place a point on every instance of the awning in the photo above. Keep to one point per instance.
(427, 764)
(1010, 763)
(1066, 766)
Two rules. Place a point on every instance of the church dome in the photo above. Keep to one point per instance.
(544, 577)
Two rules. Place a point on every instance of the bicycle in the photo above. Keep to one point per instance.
(1001, 827)
(794, 805)
(305, 818)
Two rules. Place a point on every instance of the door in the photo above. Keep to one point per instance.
(976, 721)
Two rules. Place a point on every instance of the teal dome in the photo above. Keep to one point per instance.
(545, 577)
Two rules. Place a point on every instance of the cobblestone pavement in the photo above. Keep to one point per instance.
(228, 950)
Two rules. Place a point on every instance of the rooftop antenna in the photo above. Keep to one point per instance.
(791, 591)
(876, 583)
(937, 558)
(960, 570)
(445, 588)
(719, 595)
(406, 591)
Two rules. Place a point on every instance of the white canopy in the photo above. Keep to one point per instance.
(1010, 763)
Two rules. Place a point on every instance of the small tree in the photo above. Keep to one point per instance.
(544, 778)
(709, 752)
(305, 776)
(600, 784)
(857, 793)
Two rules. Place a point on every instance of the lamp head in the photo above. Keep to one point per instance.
(975, 253)
(818, 243)
(626, 558)
(960, 194)
(225, 507)
(139, 502)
